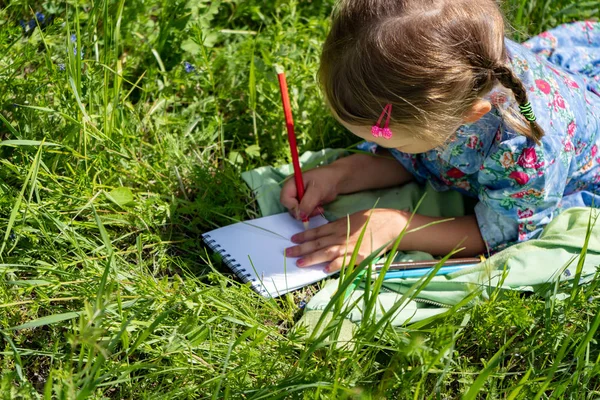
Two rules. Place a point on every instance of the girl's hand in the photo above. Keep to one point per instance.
(328, 243)
(320, 187)
(346, 175)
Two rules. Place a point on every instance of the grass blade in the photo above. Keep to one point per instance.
(15, 209)
(491, 365)
(17, 357)
(47, 320)
(21, 142)
(101, 294)
(515, 392)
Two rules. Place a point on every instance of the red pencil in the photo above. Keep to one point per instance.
(289, 122)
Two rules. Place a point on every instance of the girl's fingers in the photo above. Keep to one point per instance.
(312, 246)
(313, 234)
(288, 196)
(320, 256)
(311, 199)
(318, 211)
(336, 264)
(291, 203)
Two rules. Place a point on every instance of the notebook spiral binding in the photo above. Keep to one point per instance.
(233, 264)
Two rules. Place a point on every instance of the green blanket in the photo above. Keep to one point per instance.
(533, 266)
(266, 184)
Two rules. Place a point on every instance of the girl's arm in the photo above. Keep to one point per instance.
(332, 243)
(363, 172)
(442, 238)
(347, 175)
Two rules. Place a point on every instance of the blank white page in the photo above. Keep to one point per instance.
(244, 242)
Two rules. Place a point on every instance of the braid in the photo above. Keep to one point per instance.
(510, 81)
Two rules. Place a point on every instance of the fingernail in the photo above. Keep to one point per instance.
(300, 262)
(303, 215)
(294, 239)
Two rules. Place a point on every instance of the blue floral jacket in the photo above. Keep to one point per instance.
(522, 186)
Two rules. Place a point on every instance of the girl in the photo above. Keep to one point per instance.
(445, 98)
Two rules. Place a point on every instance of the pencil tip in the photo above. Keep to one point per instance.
(305, 223)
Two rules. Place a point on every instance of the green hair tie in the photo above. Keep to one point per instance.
(527, 112)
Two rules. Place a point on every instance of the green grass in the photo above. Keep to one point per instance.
(114, 163)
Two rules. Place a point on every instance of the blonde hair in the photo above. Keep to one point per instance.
(431, 59)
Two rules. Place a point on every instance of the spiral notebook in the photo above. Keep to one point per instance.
(254, 251)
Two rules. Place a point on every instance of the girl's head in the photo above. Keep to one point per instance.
(432, 60)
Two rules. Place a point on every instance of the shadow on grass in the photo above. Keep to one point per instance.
(208, 198)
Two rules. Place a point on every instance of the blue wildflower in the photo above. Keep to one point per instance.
(75, 52)
(27, 26)
(567, 273)
(590, 299)
(12, 236)
(74, 40)
(302, 304)
(61, 67)
(189, 67)
(40, 17)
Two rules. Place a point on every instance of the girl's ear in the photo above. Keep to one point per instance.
(477, 110)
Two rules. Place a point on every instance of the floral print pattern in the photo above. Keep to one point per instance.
(522, 186)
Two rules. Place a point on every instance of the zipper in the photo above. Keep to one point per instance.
(418, 300)
(433, 303)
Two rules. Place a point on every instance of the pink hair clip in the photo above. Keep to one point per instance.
(384, 132)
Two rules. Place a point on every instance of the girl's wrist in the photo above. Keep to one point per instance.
(398, 221)
(341, 174)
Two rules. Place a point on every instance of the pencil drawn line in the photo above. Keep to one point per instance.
(265, 229)
(254, 226)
